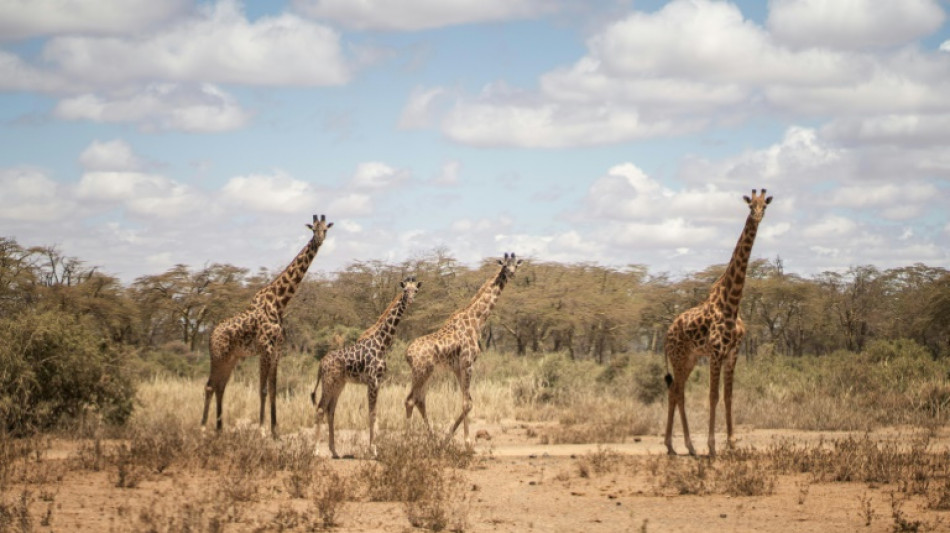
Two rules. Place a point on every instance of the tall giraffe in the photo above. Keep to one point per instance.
(455, 345)
(714, 329)
(362, 362)
(259, 330)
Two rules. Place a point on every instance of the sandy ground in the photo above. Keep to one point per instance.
(517, 485)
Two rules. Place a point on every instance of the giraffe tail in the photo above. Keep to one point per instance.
(669, 377)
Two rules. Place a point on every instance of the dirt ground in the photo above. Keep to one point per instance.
(517, 485)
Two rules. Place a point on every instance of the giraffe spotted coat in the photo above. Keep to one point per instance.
(363, 362)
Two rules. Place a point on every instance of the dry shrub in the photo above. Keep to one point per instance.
(739, 472)
(426, 474)
(743, 472)
(440, 505)
(600, 461)
(691, 476)
(15, 516)
(330, 492)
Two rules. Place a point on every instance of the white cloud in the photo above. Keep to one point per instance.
(903, 129)
(418, 110)
(376, 175)
(883, 195)
(830, 228)
(216, 45)
(551, 125)
(148, 195)
(640, 78)
(352, 205)
(945, 46)
(411, 15)
(113, 155)
(165, 106)
(21, 19)
(17, 75)
(277, 193)
(32, 196)
(449, 173)
(853, 23)
(801, 156)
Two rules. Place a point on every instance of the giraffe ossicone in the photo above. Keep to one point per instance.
(712, 329)
(362, 362)
(455, 345)
(258, 330)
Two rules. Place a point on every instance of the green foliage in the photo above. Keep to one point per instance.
(54, 368)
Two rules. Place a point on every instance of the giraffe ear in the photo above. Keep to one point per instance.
(402, 284)
(768, 200)
(419, 285)
(500, 262)
(747, 199)
(330, 225)
(310, 227)
(519, 262)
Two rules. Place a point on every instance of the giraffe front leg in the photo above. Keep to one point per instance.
(272, 397)
(372, 391)
(263, 372)
(714, 371)
(727, 393)
(331, 414)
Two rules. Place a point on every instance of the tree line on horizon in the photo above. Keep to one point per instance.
(588, 310)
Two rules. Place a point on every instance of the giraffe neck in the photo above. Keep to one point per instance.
(484, 301)
(384, 330)
(727, 292)
(279, 292)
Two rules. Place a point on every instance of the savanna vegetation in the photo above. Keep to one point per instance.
(573, 354)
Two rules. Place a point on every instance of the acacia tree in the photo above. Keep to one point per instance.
(183, 304)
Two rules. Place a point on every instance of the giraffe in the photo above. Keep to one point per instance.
(258, 330)
(714, 329)
(362, 362)
(456, 346)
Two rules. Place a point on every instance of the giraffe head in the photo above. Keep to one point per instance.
(319, 228)
(757, 204)
(509, 265)
(409, 287)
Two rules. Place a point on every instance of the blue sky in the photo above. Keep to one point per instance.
(137, 135)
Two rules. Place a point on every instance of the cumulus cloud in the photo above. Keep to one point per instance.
(18, 75)
(30, 195)
(853, 24)
(161, 106)
(21, 19)
(143, 194)
(418, 111)
(449, 173)
(216, 45)
(695, 64)
(352, 205)
(409, 15)
(109, 155)
(901, 129)
(278, 193)
(376, 175)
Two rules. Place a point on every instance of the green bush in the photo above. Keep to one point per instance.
(53, 368)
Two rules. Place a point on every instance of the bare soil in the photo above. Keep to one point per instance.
(517, 484)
